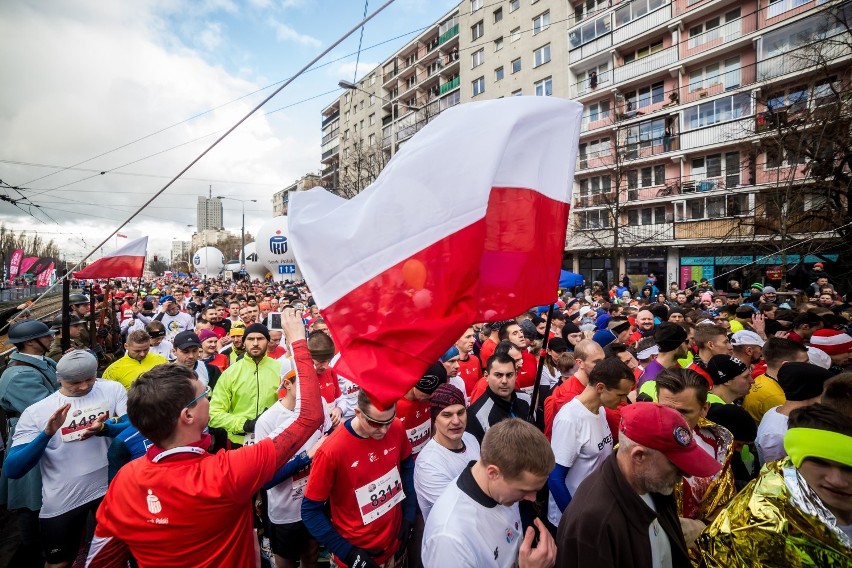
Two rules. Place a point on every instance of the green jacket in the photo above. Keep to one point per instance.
(22, 384)
(242, 393)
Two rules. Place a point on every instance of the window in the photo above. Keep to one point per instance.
(477, 58)
(541, 22)
(598, 111)
(372, 80)
(515, 34)
(715, 171)
(636, 9)
(713, 207)
(372, 119)
(346, 134)
(648, 176)
(646, 134)
(588, 32)
(716, 111)
(541, 55)
(498, 44)
(803, 32)
(372, 100)
(595, 185)
(595, 219)
(476, 5)
(544, 88)
(645, 96)
(517, 93)
(647, 216)
(777, 156)
(478, 86)
(589, 8)
(594, 149)
(516, 65)
(498, 74)
(498, 15)
(713, 29)
(372, 140)
(477, 30)
(595, 76)
(725, 72)
(514, 5)
(643, 52)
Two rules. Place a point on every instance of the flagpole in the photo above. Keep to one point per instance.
(537, 385)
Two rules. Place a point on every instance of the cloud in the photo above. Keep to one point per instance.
(211, 36)
(346, 69)
(283, 32)
(91, 77)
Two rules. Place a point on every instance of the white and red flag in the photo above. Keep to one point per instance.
(127, 261)
(466, 223)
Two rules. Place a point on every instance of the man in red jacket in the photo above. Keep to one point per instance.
(179, 505)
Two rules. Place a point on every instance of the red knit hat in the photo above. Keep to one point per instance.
(832, 341)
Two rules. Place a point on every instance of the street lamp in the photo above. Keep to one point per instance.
(242, 228)
(394, 115)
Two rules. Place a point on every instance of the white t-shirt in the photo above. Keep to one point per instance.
(177, 323)
(285, 499)
(73, 472)
(770, 436)
(465, 534)
(164, 349)
(661, 546)
(437, 466)
(201, 371)
(581, 441)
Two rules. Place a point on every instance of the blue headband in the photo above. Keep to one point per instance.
(451, 352)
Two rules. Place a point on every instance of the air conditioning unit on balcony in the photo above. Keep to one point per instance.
(688, 187)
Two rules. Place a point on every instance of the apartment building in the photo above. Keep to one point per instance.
(679, 96)
(281, 199)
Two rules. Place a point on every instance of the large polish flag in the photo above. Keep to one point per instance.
(127, 261)
(465, 224)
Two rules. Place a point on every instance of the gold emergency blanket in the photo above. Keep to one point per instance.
(712, 492)
(776, 521)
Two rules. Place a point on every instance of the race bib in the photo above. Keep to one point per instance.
(248, 440)
(300, 481)
(379, 496)
(80, 419)
(418, 436)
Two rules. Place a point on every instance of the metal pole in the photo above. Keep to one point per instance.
(243, 239)
(65, 342)
(93, 330)
(537, 385)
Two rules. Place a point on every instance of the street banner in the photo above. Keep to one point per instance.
(15, 262)
(128, 261)
(465, 224)
(43, 278)
(26, 263)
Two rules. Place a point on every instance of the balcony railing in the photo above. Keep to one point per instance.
(716, 134)
(647, 64)
(803, 58)
(702, 183)
(331, 135)
(448, 35)
(328, 170)
(330, 118)
(652, 147)
(450, 85)
(777, 8)
(591, 48)
(635, 234)
(585, 86)
(649, 21)
(329, 153)
(390, 75)
(725, 33)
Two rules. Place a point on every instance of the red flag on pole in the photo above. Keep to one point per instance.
(127, 261)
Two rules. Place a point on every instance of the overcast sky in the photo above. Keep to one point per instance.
(137, 89)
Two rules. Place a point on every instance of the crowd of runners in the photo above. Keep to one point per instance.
(665, 426)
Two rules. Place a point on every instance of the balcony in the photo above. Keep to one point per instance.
(775, 9)
(726, 33)
(450, 85)
(649, 234)
(329, 153)
(389, 76)
(329, 118)
(648, 22)
(659, 60)
(595, 200)
(731, 227)
(588, 49)
(632, 195)
(330, 136)
(727, 132)
(650, 148)
(327, 171)
(727, 81)
(702, 183)
(448, 31)
(799, 59)
(584, 86)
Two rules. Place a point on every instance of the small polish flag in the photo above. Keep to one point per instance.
(120, 236)
(466, 224)
(128, 261)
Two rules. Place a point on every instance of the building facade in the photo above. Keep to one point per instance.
(181, 251)
(281, 199)
(209, 214)
(686, 167)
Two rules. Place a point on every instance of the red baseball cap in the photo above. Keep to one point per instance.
(663, 429)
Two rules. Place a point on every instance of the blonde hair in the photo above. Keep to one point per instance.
(516, 446)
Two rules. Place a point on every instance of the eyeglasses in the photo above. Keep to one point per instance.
(199, 397)
(378, 423)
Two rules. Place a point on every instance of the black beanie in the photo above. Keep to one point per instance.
(802, 381)
(569, 327)
(432, 378)
(723, 368)
(669, 336)
(257, 328)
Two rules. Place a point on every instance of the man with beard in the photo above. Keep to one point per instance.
(626, 516)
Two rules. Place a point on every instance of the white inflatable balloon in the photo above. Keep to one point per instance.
(274, 250)
(255, 268)
(208, 261)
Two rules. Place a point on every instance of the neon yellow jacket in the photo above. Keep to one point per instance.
(126, 370)
(242, 393)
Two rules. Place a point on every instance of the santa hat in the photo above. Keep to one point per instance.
(832, 341)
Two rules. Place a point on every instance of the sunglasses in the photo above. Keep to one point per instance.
(206, 393)
(378, 423)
